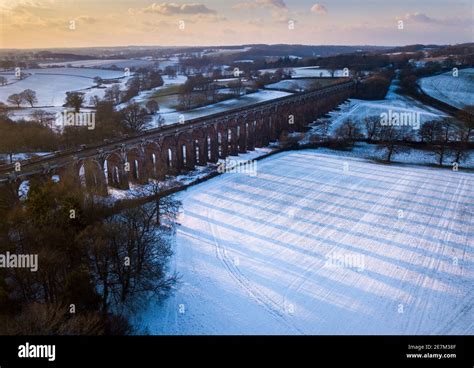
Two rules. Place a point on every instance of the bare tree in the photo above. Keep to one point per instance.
(94, 101)
(390, 141)
(427, 131)
(15, 99)
(29, 96)
(236, 87)
(128, 259)
(444, 131)
(74, 100)
(186, 99)
(460, 147)
(152, 106)
(113, 94)
(135, 118)
(98, 80)
(348, 131)
(43, 117)
(464, 134)
(372, 127)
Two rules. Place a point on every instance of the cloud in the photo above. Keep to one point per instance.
(175, 9)
(279, 4)
(34, 7)
(229, 31)
(422, 18)
(256, 22)
(319, 9)
(275, 3)
(419, 18)
(87, 19)
(245, 5)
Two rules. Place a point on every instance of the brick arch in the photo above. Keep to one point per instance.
(233, 136)
(258, 128)
(265, 127)
(153, 161)
(222, 140)
(200, 146)
(169, 154)
(212, 153)
(242, 134)
(94, 176)
(136, 165)
(273, 126)
(250, 125)
(185, 151)
(285, 112)
(117, 177)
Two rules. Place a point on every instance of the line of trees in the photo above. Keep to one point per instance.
(144, 80)
(26, 96)
(37, 133)
(448, 137)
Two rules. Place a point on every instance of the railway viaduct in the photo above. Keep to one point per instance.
(176, 148)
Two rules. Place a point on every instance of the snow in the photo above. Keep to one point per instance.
(356, 110)
(455, 91)
(101, 63)
(320, 244)
(307, 72)
(22, 156)
(144, 96)
(52, 84)
(186, 179)
(79, 72)
(220, 52)
(412, 157)
(296, 85)
(246, 100)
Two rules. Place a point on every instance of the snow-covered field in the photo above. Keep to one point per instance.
(101, 63)
(250, 99)
(320, 244)
(356, 110)
(308, 72)
(52, 84)
(413, 156)
(295, 85)
(455, 91)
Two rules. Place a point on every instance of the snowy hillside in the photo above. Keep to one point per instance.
(320, 244)
(357, 110)
(455, 91)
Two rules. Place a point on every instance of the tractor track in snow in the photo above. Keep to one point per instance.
(261, 298)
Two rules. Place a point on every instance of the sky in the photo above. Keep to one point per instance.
(92, 23)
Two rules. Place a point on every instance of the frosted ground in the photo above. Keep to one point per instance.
(455, 91)
(357, 110)
(52, 84)
(413, 156)
(295, 85)
(173, 117)
(308, 72)
(101, 63)
(262, 255)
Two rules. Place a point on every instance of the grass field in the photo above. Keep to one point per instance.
(320, 244)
